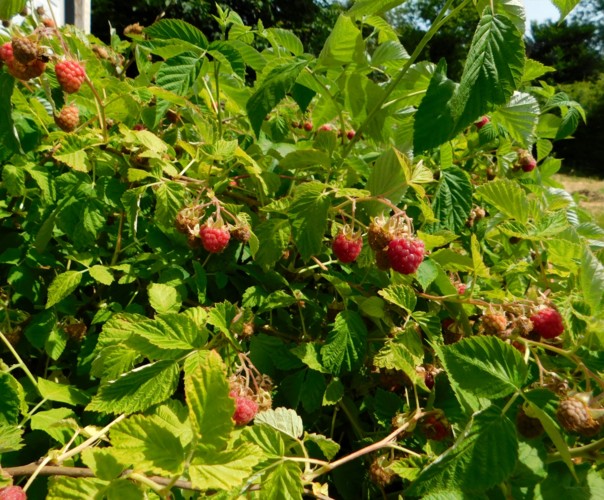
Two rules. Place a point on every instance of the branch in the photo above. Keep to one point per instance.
(59, 470)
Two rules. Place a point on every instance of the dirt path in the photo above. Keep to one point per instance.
(590, 192)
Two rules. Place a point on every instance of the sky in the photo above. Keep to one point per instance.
(540, 10)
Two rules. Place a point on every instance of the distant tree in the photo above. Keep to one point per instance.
(452, 41)
(311, 20)
(571, 47)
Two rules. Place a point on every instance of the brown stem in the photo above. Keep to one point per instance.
(59, 470)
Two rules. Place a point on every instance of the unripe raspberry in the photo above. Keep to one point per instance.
(245, 409)
(405, 254)
(347, 247)
(494, 324)
(526, 161)
(573, 414)
(48, 22)
(435, 428)
(214, 238)
(241, 233)
(70, 75)
(528, 427)
(26, 71)
(482, 122)
(547, 322)
(12, 493)
(378, 235)
(69, 118)
(379, 473)
(24, 50)
(326, 127)
(382, 261)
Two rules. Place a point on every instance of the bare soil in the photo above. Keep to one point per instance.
(589, 192)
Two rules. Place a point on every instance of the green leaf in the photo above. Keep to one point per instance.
(170, 198)
(101, 274)
(565, 7)
(284, 420)
(269, 93)
(138, 389)
(10, 438)
(308, 216)
(71, 488)
(507, 197)
(146, 444)
(211, 469)
(346, 344)
(452, 200)
(10, 8)
(304, 158)
(229, 56)
(344, 45)
(285, 39)
(164, 298)
(62, 286)
(519, 117)
(13, 179)
(404, 352)
(484, 455)
(389, 179)
(207, 395)
(328, 447)
(485, 366)
(283, 481)
(11, 400)
(179, 73)
(103, 463)
(592, 279)
(268, 439)
(370, 7)
(333, 392)
(166, 29)
(59, 423)
(400, 295)
(62, 393)
(534, 69)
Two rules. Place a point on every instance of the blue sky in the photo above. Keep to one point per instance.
(540, 10)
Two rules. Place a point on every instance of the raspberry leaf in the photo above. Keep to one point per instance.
(346, 344)
(485, 366)
(452, 200)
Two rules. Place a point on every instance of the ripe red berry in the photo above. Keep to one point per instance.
(214, 239)
(69, 118)
(429, 380)
(461, 288)
(245, 409)
(70, 75)
(6, 52)
(48, 22)
(350, 134)
(405, 254)
(482, 122)
(346, 247)
(308, 126)
(326, 127)
(526, 161)
(12, 493)
(547, 322)
(435, 428)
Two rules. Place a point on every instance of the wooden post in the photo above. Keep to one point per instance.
(82, 15)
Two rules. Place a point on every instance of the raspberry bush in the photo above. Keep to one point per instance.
(231, 268)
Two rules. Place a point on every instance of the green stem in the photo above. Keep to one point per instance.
(20, 362)
(586, 451)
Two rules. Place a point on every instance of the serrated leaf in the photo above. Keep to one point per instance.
(103, 463)
(344, 45)
(565, 7)
(485, 366)
(207, 395)
(519, 117)
(308, 216)
(71, 488)
(404, 353)
(228, 55)
(211, 469)
(484, 455)
(333, 392)
(346, 344)
(101, 274)
(592, 279)
(400, 295)
(268, 439)
(179, 73)
(328, 447)
(389, 178)
(282, 38)
(534, 69)
(166, 29)
(452, 200)
(370, 7)
(283, 481)
(10, 8)
(8, 140)
(269, 93)
(10, 438)
(145, 443)
(62, 286)
(507, 197)
(284, 420)
(164, 298)
(138, 389)
(170, 198)
(11, 400)
(62, 393)
(59, 423)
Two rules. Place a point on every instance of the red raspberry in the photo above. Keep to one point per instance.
(214, 239)
(12, 493)
(346, 247)
(308, 126)
(69, 118)
(6, 53)
(547, 322)
(326, 127)
(350, 134)
(482, 122)
(435, 428)
(526, 161)
(70, 75)
(48, 22)
(405, 254)
(245, 409)
(461, 288)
